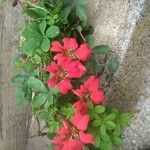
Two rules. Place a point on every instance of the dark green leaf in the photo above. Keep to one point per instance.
(80, 11)
(39, 99)
(90, 40)
(42, 27)
(100, 109)
(45, 45)
(65, 13)
(101, 49)
(36, 84)
(113, 65)
(53, 31)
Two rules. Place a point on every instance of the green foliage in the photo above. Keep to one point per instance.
(52, 20)
(106, 126)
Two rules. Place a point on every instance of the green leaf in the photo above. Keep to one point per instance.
(96, 123)
(97, 141)
(42, 27)
(30, 33)
(117, 141)
(80, 11)
(53, 31)
(113, 65)
(36, 84)
(20, 99)
(82, 2)
(65, 13)
(100, 109)
(106, 145)
(104, 134)
(40, 11)
(29, 46)
(110, 117)
(19, 79)
(101, 49)
(90, 40)
(103, 130)
(110, 125)
(39, 99)
(45, 45)
(125, 118)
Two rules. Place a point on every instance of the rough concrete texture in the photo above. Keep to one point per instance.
(14, 122)
(125, 26)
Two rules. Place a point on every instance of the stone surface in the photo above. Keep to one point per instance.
(125, 26)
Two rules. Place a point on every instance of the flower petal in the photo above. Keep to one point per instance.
(59, 58)
(58, 140)
(70, 43)
(97, 97)
(92, 83)
(83, 52)
(56, 47)
(81, 106)
(52, 82)
(76, 69)
(80, 121)
(64, 86)
(73, 145)
(52, 68)
(79, 92)
(86, 138)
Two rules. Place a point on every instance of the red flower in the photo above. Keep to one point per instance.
(89, 90)
(81, 107)
(70, 137)
(62, 74)
(70, 51)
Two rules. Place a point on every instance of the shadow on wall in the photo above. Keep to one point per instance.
(130, 84)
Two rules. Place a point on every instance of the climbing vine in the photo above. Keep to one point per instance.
(59, 76)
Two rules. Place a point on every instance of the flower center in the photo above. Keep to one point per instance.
(61, 74)
(71, 54)
(74, 133)
(86, 94)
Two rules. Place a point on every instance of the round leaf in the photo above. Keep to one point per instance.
(45, 45)
(118, 141)
(102, 49)
(39, 99)
(52, 31)
(100, 109)
(110, 125)
(36, 84)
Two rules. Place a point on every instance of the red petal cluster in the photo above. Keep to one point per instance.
(68, 65)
